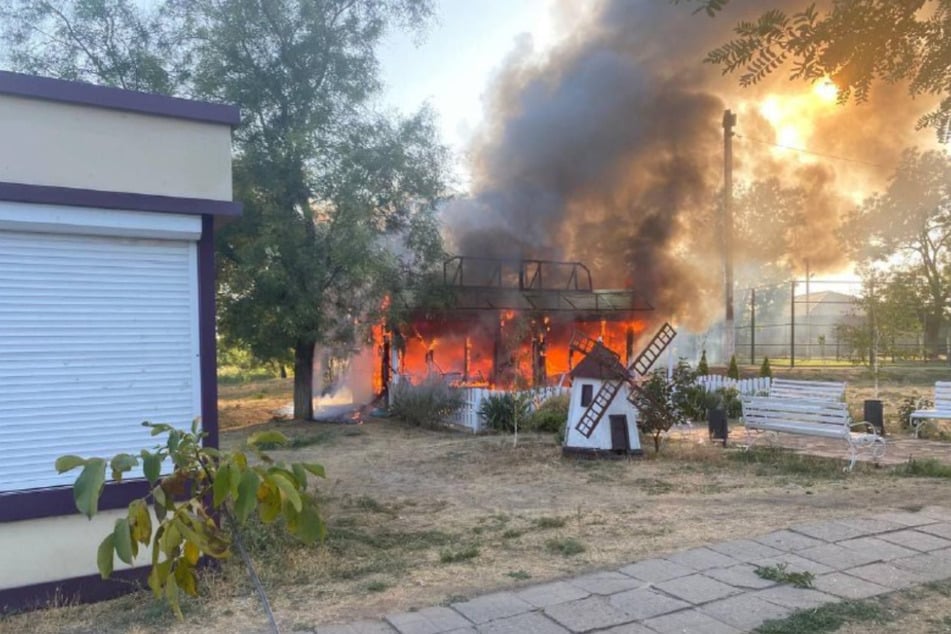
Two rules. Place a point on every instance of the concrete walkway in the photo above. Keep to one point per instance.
(709, 590)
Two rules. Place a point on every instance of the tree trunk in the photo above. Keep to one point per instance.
(304, 380)
(932, 335)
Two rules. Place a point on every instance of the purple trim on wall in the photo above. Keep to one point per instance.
(206, 331)
(74, 92)
(78, 589)
(73, 197)
(36, 503)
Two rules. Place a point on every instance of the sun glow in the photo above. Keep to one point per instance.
(792, 115)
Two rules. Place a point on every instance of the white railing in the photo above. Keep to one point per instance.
(468, 415)
(747, 387)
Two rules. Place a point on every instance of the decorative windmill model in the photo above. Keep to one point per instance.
(596, 383)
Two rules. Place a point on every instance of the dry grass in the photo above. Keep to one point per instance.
(417, 518)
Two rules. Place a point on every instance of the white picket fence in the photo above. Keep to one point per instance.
(468, 415)
(756, 385)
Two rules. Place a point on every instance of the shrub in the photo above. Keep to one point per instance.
(654, 402)
(428, 404)
(688, 396)
(909, 405)
(501, 411)
(765, 370)
(734, 371)
(702, 368)
(729, 398)
(550, 416)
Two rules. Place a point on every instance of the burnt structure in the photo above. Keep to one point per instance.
(508, 322)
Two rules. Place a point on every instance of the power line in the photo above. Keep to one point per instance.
(805, 151)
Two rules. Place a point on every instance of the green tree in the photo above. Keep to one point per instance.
(854, 43)
(702, 368)
(657, 412)
(733, 371)
(339, 199)
(765, 370)
(910, 222)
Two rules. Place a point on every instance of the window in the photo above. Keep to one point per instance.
(587, 394)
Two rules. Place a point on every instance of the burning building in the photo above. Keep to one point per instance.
(508, 323)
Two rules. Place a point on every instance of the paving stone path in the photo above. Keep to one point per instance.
(709, 590)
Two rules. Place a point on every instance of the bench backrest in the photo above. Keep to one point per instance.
(942, 395)
(812, 390)
(760, 411)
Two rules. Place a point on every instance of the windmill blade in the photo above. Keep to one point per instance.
(642, 364)
(602, 400)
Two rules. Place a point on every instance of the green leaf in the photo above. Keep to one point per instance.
(287, 488)
(269, 437)
(300, 473)
(141, 521)
(174, 437)
(158, 576)
(122, 463)
(316, 469)
(185, 578)
(151, 466)
(222, 485)
(310, 527)
(158, 495)
(191, 553)
(122, 538)
(171, 593)
(247, 495)
(104, 556)
(269, 508)
(65, 463)
(88, 486)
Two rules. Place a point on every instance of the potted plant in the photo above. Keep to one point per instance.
(715, 403)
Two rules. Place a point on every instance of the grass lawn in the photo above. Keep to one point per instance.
(418, 518)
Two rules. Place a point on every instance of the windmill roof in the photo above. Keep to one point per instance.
(601, 364)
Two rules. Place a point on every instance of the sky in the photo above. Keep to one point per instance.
(450, 66)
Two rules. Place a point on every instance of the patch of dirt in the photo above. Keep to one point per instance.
(245, 404)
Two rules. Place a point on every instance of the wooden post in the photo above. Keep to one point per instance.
(729, 335)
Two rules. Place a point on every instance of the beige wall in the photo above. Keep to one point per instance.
(68, 145)
(55, 548)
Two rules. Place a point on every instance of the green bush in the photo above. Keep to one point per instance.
(702, 368)
(653, 399)
(909, 405)
(501, 411)
(765, 370)
(428, 404)
(734, 371)
(550, 416)
(688, 396)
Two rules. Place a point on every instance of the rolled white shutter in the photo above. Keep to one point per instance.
(97, 334)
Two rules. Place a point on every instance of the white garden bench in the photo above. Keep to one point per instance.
(821, 418)
(941, 409)
(810, 390)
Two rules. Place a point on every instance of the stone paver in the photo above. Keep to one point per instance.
(656, 570)
(546, 594)
(795, 598)
(588, 614)
(894, 577)
(871, 526)
(711, 589)
(839, 557)
(606, 582)
(697, 589)
(788, 541)
(744, 612)
(742, 576)
(883, 550)
(531, 623)
(689, 621)
(358, 627)
(745, 550)
(795, 563)
(645, 603)
(924, 542)
(828, 531)
(701, 559)
(492, 606)
(428, 621)
(847, 586)
(941, 530)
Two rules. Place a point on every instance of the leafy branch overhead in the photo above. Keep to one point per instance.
(204, 483)
(853, 43)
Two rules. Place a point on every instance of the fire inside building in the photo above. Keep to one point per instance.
(508, 324)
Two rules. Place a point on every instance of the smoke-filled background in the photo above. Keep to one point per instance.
(608, 149)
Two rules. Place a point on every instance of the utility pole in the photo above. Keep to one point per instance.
(729, 335)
